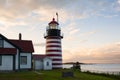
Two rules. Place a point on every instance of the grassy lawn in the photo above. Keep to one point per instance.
(54, 75)
(26, 75)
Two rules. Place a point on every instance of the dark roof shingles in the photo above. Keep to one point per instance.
(38, 57)
(24, 45)
(8, 51)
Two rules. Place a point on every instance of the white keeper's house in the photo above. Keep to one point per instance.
(15, 54)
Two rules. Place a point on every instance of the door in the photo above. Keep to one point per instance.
(7, 63)
(38, 65)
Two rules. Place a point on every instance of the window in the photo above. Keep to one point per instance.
(47, 63)
(53, 26)
(0, 60)
(1, 43)
(23, 60)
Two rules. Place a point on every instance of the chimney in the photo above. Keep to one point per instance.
(20, 36)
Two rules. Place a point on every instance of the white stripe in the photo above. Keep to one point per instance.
(56, 41)
(57, 66)
(53, 40)
(54, 57)
(53, 44)
(53, 52)
(53, 48)
(56, 61)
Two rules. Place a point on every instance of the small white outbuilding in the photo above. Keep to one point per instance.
(42, 62)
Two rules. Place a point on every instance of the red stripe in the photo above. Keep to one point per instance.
(53, 42)
(54, 55)
(56, 59)
(56, 63)
(53, 50)
(53, 46)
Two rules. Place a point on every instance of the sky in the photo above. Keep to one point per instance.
(91, 28)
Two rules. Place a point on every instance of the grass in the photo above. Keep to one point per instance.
(55, 75)
(26, 75)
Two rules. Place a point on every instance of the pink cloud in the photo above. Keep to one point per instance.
(106, 54)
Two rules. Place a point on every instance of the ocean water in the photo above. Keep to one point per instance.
(99, 68)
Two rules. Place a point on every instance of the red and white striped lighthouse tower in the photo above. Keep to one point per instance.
(53, 44)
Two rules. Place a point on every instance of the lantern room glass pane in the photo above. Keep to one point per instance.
(53, 26)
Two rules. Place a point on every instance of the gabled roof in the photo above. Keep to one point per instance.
(38, 56)
(8, 51)
(24, 45)
(3, 37)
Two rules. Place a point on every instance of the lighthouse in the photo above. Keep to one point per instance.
(53, 43)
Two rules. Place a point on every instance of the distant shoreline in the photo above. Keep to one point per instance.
(88, 63)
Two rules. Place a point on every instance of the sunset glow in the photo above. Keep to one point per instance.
(91, 28)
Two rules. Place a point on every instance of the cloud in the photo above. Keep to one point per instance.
(70, 30)
(74, 31)
(118, 1)
(118, 6)
(106, 54)
(16, 9)
(36, 13)
(83, 41)
(29, 12)
(43, 10)
(89, 33)
(20, 8)
(39, 44)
